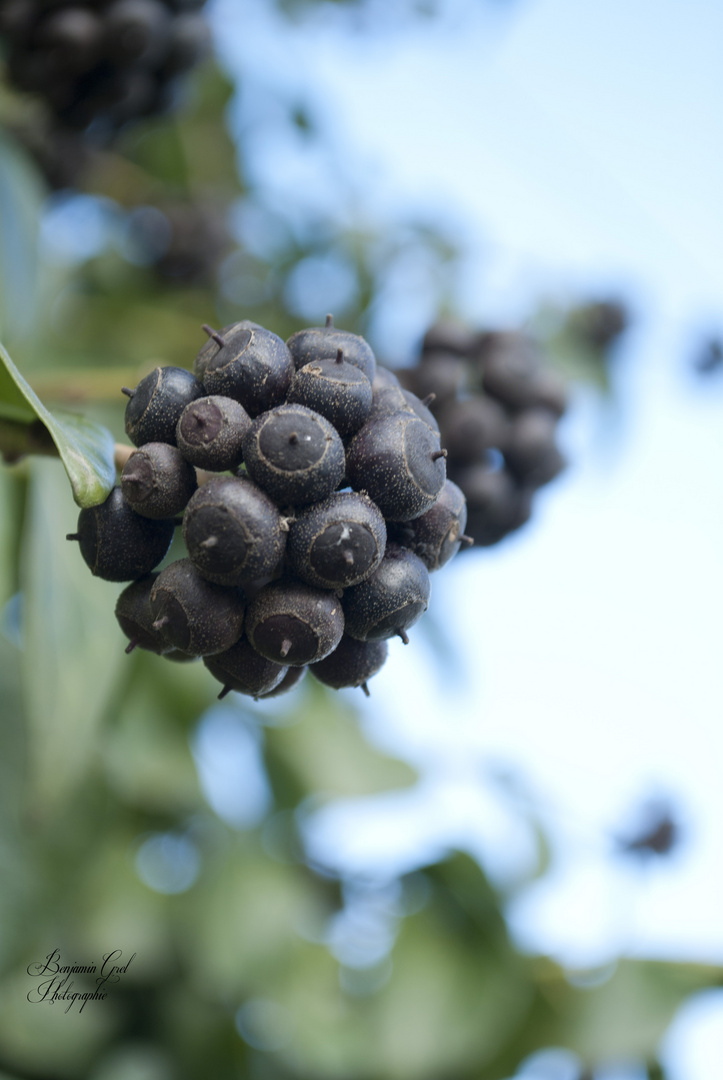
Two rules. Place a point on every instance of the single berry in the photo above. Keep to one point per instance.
(246, 363)
(210, 433)
(352, 663)
(511, 365)
(157, 482)
(233, 531)
(195, 615)
(336, 390)
(293, 676)
(337, 542)
(136, 31)
(242, 669)
(441, 374)
(391, 600)
(472, 427)
(550, 392)
(293, 623)
(189, 41)
(72, 38)
(155, 406)
(448, 337)
(383, 377)
(438, 534)
(117, 543)
(294, 454)
(133, 612)
(532, 455)
(393, 399)
(496, 505)
(324, 342)
(398, 461)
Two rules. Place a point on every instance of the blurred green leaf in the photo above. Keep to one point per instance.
(20, 204)
(621, 1014)
(85, 448)
(12, 492)
(41, 1038)
(146, 752)
(72, 647)
(626, 1016)
(250, 912)
(326, 752)
(12, 759)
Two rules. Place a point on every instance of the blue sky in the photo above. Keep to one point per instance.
(576, 147)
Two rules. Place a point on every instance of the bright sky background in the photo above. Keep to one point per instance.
(577, 147)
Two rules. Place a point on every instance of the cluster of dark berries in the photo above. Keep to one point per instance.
(498, 407)
(312, 542)
(101, 62)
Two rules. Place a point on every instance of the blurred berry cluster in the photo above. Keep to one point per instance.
(101, 63)
(498, 406)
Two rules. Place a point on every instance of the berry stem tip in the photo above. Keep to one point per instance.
(214, 334)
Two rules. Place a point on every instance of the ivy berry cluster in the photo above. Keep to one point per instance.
(314, 503)
(101, 62)
(498, 406)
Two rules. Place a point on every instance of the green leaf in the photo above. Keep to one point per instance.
(73, 647)
(12, 491)
(626, 1016)
(146, 753)
(85, 447)
(327, 754)
(20, 202)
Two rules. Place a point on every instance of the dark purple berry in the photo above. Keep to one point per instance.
(383, 377)
(242, 669)
(532, 455)
(155, 406)
(337, 542)
(157, 482)
(511, 365)
(133, 612)
(294, 454)
(233, 531)
(449, 337)
(293, 623)
(324, 342)
(436, 535)
(496, 505)
(352, 663)
(117, 543)
(441, 374)
(293, 676)
(472, 427)
(391, 600)
(136, 31)
(398, 462)
(336, 390)
(193, 614)
(210, 433)
(252, 366)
